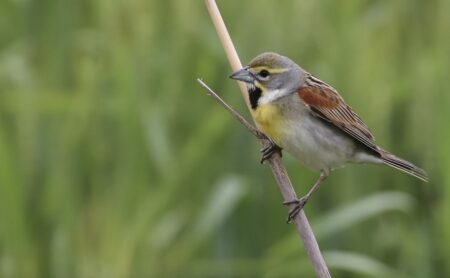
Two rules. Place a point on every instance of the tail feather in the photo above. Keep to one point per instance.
(405, 166)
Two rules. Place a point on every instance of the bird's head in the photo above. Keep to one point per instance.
(271, 73)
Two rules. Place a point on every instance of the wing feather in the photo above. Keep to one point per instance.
(328, 105)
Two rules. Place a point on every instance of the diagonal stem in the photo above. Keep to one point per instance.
(258, 134)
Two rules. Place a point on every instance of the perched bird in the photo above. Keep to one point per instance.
(310, 120)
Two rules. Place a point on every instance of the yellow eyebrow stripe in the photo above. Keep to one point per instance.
(271, 70)
(260, 86)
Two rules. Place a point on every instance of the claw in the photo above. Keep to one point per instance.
(269, 150)
(299, 204)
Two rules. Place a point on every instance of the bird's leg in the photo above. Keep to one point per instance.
(300, 203)
(269, 150)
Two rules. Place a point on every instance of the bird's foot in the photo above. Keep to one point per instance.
(269, 150)
(299, 204)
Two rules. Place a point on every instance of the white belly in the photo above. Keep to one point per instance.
(315, 143)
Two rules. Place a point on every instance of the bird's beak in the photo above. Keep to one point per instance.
(243, 75)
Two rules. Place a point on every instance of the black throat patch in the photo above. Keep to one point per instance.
(254, 94)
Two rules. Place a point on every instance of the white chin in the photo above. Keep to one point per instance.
(251, 86)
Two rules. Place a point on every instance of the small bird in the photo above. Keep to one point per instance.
(310, 120)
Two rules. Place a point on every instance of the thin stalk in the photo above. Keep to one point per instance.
(278, 170)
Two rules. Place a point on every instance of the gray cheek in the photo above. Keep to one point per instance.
(277, 83)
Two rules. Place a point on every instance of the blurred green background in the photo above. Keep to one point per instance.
(114, 162)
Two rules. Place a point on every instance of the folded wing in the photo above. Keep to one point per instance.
(327, 104)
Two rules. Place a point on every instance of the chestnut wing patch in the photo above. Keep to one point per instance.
(327, 104)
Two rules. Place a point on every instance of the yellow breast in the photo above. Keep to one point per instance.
(269, 120)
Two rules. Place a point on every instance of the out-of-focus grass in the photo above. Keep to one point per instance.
(114, 163)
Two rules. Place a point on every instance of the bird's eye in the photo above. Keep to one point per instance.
(264, 73)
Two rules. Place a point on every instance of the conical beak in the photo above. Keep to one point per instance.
(243, 75)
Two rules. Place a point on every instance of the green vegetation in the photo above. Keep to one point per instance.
(114, 162)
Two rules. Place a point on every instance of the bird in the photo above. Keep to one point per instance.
(309, 119)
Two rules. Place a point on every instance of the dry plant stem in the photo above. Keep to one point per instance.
(278, 170)
(258, 134)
